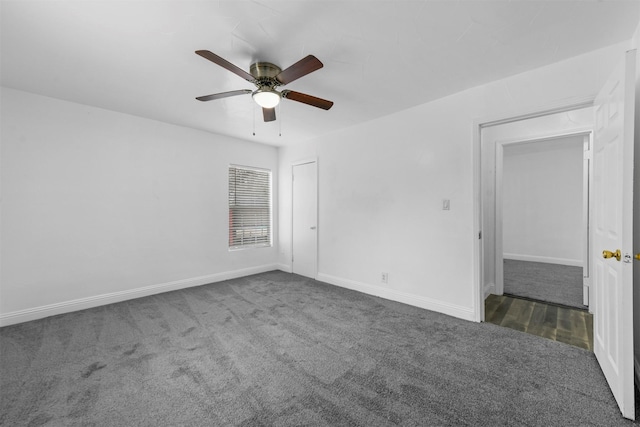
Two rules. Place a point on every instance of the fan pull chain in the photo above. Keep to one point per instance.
(253, 113)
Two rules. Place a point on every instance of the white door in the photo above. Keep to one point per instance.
(305, 219)
(612, 231)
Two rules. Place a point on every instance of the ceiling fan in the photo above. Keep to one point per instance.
(267, 77)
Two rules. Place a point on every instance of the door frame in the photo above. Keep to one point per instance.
(478, 125)
(317, 248)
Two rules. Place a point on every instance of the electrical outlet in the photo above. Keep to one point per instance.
(385, 277)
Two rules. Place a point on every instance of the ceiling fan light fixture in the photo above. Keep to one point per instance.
(266, 98)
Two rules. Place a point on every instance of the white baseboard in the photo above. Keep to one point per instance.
(489, 288)
(403, 297)
(548, 260)
(110, 298)
(286, 268)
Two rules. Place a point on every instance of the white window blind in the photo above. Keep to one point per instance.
(249, 207)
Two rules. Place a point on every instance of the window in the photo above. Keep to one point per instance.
(249, 207)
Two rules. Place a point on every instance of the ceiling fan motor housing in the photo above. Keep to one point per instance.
(264, 69)
(265, 74)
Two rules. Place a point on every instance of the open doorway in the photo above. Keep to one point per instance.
(535, 215)
(542, 205)
(533, 141)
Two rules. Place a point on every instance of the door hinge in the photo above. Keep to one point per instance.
(479, 235)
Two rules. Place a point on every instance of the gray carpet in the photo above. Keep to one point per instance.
(279, 349)
(560, 284)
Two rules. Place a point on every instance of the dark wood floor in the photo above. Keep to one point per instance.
(564, 324)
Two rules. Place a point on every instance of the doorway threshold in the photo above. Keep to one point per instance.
(557, 304)
(558, 323)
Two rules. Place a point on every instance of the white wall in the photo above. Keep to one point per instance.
(381, 186)
(542, 201)
(99, 206)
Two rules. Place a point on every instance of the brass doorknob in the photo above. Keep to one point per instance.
(608, 254)
(637, 256)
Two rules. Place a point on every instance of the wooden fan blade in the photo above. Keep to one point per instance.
(269, 114)
(223, 95)
(225, 64)
(307, 99)
(301, 68)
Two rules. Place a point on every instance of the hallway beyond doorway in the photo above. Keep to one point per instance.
(553, 283)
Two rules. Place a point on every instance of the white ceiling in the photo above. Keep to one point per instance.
(379, 57)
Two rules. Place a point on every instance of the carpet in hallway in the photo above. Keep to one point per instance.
(559, 284)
